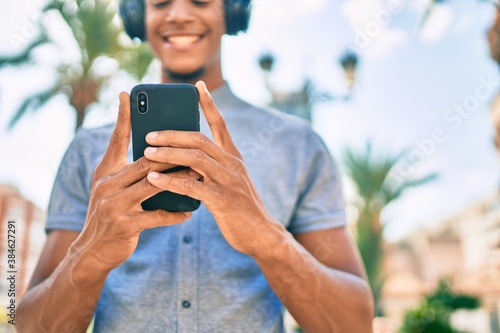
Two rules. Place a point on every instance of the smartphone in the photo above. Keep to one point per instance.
(158, 107)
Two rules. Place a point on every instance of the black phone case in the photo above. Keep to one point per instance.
(170, 107)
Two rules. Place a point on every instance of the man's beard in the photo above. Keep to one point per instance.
(184, 77)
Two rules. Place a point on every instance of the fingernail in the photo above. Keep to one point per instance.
(153, 135)
(154, 175)
(151, 150)
(193, 173)
(205, 87)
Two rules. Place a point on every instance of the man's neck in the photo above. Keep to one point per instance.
(213, 80)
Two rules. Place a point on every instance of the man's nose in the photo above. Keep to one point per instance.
(180, 11)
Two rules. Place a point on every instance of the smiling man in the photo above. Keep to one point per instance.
(270, 231)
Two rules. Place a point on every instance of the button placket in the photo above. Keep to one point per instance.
(187, 277)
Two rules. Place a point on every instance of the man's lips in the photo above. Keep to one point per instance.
(181, 40)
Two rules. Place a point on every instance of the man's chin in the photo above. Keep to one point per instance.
(185, 77)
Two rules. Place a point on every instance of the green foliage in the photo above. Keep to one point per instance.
(95, 29)
(432, 315)
(98, 33)
(33, 102)
(445, 297)
(371, 176)
(25, 56)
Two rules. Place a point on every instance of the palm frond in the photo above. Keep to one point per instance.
(100, 32)
(392, 194)
(95, 29)
(367, 171)
(68, 10)
(26, 55)
(136, 61)
(97, 33)
(371, 175)
(33, 102)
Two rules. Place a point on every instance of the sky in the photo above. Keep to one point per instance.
(424, 88)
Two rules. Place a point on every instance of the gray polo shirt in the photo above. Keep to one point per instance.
(187, 278)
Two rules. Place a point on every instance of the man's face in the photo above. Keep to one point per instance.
(185, 34)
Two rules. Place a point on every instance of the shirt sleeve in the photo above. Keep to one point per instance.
(321, 202)
(70, 194)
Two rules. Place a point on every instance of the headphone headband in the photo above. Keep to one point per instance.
(236, 12)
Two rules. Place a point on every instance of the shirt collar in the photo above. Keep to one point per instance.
(225, 99)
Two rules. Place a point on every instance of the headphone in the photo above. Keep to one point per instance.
(237, 15)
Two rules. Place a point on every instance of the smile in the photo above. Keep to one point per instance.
(182, 40)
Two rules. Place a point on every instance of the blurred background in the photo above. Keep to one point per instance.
(403, 92)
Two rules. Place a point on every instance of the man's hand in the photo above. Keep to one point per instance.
(68, 279)
(115, 217)
(225, 187)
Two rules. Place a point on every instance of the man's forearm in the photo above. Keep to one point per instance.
(65, 301)
(320, 298)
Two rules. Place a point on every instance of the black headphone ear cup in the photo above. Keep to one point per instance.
(133, 14)
(237, 13)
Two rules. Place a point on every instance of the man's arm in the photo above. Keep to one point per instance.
(321, 281)
(325, 290)
(63, 298)
(63, 292)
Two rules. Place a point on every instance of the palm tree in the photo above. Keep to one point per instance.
(370, 174)
(98, 34)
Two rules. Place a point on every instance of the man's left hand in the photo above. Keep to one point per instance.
(225, 187)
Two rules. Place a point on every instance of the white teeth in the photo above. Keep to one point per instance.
(183, 40)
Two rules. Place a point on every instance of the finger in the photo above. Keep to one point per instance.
(158, 218)
(136, 171)
(135, 194)
(196, 159)
(116, 154)
(186, 139)
(184, 186)
(186, 173)
(216, 121)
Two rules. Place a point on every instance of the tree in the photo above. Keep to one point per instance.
(98, 34)
(371, 176)
(432, 315)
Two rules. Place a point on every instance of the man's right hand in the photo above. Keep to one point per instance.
(115, 217)
(110, 234)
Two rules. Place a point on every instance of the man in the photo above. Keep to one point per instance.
(271, 230)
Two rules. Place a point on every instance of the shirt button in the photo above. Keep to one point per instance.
(187, 239)
(186, 304)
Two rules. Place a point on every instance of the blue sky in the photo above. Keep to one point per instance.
(411, 81)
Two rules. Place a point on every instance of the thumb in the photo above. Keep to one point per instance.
(115, 156)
